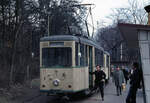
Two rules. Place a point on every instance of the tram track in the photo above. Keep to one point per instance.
(31, 99)
(46, 99)
(51, 99)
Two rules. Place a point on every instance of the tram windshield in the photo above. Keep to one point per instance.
(57, 57)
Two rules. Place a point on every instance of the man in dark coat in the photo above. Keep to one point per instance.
(126, 74)
(99, 80)
(135, 79)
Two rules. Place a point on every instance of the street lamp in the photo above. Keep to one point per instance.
(32, 54)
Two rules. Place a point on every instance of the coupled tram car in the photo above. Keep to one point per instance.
(65, 63)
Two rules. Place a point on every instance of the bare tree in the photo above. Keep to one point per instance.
(134, 13)
(110, 37)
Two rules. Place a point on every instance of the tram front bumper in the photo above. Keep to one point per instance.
(56, 92)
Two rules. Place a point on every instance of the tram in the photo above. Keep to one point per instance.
(65, 63)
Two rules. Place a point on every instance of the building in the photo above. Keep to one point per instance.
(138, 39)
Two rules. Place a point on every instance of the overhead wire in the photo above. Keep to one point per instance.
(91, 25)
(85, 19)
(92, 22)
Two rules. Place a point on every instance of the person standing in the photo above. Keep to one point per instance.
(135, 79)
(119, 80)
(100, 77)
(126, 75)
(112, 74)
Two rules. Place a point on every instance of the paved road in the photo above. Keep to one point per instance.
(110, 97)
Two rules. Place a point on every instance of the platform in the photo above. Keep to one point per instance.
(110, 95)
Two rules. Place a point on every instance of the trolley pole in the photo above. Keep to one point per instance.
(86, 24)
(87, 28)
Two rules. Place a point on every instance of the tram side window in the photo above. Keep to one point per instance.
(98, 57)
(82, 58)
(77, 61)
(86, 55)
(102, 58)
(57, 57)
(107, 61)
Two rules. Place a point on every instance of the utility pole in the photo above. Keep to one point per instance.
(48, 25)
(121, 51)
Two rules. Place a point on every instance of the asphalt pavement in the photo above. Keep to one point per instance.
(110, 95)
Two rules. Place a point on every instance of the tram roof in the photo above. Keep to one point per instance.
(106, 52)
(72, 38)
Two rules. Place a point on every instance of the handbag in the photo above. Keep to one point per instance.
(123, 86)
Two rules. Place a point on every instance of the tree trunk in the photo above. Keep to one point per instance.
(28, 72)
(3, 23)
(13, 55)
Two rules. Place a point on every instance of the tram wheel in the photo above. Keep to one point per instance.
(64, 99)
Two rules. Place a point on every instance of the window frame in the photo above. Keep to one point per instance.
(71, 53)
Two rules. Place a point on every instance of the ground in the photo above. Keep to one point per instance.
(26, 94)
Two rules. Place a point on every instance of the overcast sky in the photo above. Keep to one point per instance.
(103, 8)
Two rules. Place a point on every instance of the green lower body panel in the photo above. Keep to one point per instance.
(55, 92)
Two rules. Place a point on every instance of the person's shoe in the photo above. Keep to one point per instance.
(102, 99)
(117, 94)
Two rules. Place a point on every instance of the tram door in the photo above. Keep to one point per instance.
(90, 67)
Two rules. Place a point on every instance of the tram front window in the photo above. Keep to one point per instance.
(57, 57)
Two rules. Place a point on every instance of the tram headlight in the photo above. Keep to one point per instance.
(56, 82)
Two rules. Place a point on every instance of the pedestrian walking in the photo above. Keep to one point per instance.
(135, 79)
(126, 75)
(99, 80)
(112, 74)
(119, 80)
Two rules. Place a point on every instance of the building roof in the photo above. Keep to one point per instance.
(130, 33)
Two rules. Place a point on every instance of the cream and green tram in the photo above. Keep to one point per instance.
(65, 63)
(107, 65)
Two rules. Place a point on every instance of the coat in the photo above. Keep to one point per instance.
(125, 72)
(99, 76)
(135, 79)
(118, 77)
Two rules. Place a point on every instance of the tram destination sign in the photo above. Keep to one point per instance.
(56, 44)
